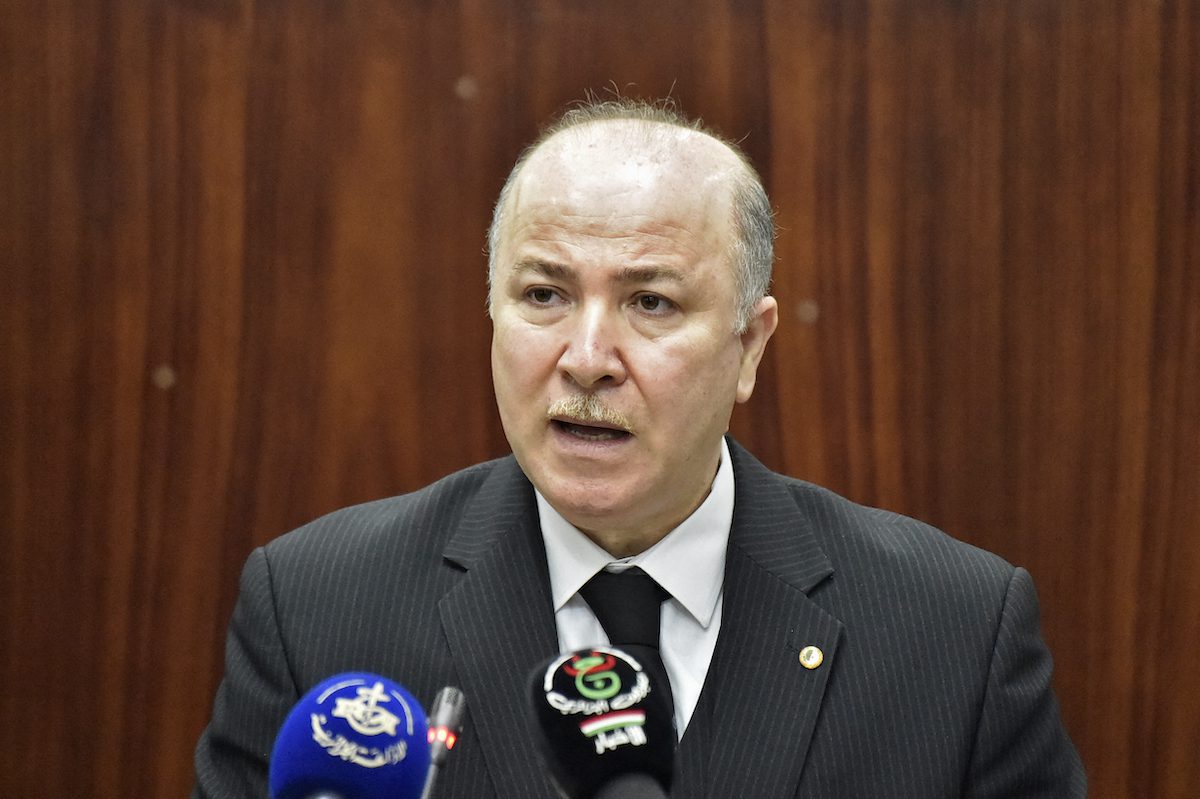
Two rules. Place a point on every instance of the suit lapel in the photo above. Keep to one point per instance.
(499, 623)
(760, 705)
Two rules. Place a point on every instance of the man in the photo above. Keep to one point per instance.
(814, 647)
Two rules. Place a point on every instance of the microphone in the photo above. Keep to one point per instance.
(603, 730)
(353, 736)
(445, 724)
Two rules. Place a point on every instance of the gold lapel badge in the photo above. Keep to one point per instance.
(811, 657)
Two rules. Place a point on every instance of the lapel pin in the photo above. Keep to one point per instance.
(811, 657)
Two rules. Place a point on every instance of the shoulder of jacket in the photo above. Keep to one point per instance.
(412, 517)
(860, 533)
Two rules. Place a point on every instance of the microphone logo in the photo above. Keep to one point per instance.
(616, 729)
(599, 718)
(594, 675)
(362, 717)
(364, 714)
(589, 683)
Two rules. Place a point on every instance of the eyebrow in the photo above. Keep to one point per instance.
(648, 274)
(627, 274)
(546, 268)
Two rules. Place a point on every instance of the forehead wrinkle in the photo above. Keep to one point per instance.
(652, 241)
(614, 226)
(616, 223)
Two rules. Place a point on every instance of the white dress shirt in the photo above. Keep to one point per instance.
(689, 562)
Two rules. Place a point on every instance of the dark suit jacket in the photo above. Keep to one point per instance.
(935, 680)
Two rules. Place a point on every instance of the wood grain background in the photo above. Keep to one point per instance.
(243, 284)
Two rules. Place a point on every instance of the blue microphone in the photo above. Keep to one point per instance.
(353, 736)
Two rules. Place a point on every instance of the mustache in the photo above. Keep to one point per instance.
(586, 408)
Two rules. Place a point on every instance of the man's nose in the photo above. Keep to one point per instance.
(593, 357)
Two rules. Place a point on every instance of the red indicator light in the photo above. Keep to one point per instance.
(442, 736)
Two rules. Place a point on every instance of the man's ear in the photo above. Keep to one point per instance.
(763, 320)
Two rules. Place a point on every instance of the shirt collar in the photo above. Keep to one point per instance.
(689, 562)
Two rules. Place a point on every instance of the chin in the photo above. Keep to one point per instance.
(585, 504)
(587, 509)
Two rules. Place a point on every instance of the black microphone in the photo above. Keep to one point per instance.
(631, 786)
(602, 729)
(445, 725)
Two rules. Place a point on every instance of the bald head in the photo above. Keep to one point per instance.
(627, 152)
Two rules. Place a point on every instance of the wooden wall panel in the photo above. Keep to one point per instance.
(992, 229)
(241, 284)
(1166, 703)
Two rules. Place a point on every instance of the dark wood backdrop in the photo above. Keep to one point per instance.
(243, 284)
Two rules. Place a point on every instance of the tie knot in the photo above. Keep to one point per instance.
(628, 605)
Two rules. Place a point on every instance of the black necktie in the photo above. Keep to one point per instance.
(628, 605)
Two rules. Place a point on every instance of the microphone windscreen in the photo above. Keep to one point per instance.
(355, 736)
(597, 716)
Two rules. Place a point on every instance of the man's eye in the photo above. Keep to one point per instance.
(652, 303)
(540, 295)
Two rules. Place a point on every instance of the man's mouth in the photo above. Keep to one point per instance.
(586, 418)
(588, 432)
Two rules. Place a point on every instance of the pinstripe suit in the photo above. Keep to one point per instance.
(935, 681)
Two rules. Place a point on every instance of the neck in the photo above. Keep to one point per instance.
(624, 545)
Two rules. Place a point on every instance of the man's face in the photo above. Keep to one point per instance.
(614, 355)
